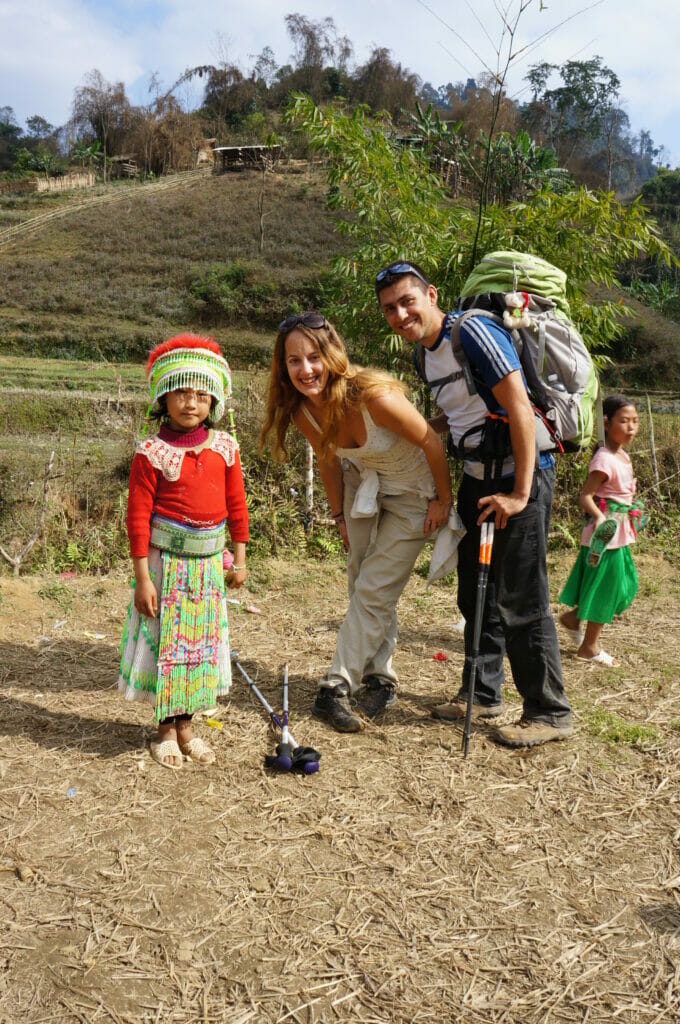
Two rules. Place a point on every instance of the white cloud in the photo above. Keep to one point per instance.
(46, 49)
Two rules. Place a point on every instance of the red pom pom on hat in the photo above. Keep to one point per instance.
(181, 341)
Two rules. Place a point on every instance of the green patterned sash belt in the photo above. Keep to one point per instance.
(637, 514)
(168, 535)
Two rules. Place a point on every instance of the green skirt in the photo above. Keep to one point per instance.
(607, 590)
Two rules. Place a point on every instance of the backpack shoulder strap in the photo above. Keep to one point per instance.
(419, 362)
(435, 384)
(457, 345)
(453, 327)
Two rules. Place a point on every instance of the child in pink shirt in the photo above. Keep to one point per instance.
(603, 582)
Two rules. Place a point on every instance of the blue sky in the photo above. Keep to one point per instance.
(47, 48)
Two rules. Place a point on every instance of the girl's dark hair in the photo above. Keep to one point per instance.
(613, 403)
(160, 411)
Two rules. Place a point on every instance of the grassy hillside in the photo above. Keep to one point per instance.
(113, 272)
(112, 280)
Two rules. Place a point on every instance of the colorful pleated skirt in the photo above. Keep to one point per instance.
(179, 661)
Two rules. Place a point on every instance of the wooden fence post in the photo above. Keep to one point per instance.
(309, 479)
(655, 467)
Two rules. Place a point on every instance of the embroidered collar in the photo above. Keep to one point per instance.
(168, 458)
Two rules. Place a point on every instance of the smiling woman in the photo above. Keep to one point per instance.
(388, 485)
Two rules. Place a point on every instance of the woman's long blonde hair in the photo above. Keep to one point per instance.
(347, 386)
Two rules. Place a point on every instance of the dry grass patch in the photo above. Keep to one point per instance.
(118, 278)
(400, 884)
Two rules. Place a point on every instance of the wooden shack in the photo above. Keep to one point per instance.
(237, 158)
(123, 166)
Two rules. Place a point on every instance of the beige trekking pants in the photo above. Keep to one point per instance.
(383, 551)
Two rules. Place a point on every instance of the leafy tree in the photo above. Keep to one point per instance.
(316, 42)
(229, 97)
(40, 158)
(390, 205)
(10, 136)
(439, 98)
(23, 161)
(265, 68)
(662, 194)
(321, 58)
(86, 154)
(583, 121)
(38, 128)
(45, 161)
(570, 114)
(102, 110)
(383, 84)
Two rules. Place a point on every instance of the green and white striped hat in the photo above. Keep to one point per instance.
(188, 361)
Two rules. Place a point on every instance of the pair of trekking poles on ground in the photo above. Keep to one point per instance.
(291, 757)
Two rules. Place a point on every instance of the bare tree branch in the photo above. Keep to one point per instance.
(16, 560)
(456, 34)
(549, 32)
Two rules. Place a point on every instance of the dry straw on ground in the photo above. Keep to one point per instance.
(400, 884)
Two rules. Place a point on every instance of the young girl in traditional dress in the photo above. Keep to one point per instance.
(603, 582)
(185, 485)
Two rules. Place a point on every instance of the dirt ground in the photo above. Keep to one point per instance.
(400, 884)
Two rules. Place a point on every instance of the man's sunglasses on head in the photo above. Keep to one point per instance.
(388, 275)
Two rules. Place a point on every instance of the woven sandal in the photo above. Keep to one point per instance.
(602, 536)
(196, 750)
(168, 748)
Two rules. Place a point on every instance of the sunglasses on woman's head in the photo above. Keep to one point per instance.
(308, 319)
(392, 273)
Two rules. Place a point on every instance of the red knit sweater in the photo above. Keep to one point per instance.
(207, 492)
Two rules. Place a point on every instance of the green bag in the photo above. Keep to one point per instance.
(559, 371)
(519, 272)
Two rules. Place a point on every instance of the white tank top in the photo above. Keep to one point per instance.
(401, 466)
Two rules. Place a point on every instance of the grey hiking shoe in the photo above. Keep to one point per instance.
(527, 733)
(332, 704)
(376, 696)
(457, 709)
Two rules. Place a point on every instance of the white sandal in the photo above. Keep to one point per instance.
(576, 635)
(601, 658)
(168, 748)
(196, 749)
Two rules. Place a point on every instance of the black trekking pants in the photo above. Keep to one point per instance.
(517, 617)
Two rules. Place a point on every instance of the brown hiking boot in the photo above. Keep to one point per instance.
(332, 704)
(457, 709)
(376, 696)
(527, 733)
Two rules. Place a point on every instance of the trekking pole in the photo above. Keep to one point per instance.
(485, 548)
(291, 757)
(284, 751)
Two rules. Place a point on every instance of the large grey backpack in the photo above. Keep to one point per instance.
(559, 371)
